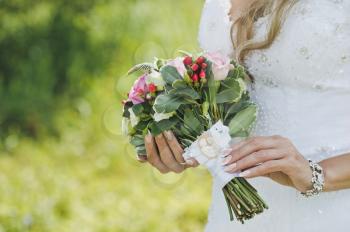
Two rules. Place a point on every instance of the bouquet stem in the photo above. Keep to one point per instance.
(243, 200)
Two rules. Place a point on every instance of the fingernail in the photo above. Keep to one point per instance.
(226, 160)
(168, 135)
(189, 162)
(160, 136)
(148, 138)
(244, 174)
(230, 168)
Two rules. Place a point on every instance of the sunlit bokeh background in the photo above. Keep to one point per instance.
(64, 165)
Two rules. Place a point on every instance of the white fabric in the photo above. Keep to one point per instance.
(303, 90)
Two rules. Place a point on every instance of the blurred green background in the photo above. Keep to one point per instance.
(64, 165)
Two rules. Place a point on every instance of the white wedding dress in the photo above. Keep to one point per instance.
(303, 90)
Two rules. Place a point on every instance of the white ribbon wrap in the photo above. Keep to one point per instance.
(209, 151)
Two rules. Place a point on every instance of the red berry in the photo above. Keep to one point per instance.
(200, 60)
(202, 74)
(195, 77)
(152, 88)
(187, 60)
(195, 67)
(204, 65)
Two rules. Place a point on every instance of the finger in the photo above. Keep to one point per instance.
(175, 147)
(152, 154)
(227, 152)
(264, 169)
(166, 155)
(252, 145)
(141, 158)
(254, 159)
(240, 144)
(190, 163)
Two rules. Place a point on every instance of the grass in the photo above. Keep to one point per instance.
(91, 193)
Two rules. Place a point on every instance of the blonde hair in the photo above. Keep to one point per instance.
(243, 40)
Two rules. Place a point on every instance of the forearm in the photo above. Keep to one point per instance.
(337, 172)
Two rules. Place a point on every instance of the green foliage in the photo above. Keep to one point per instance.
(230, 92)
(192, 122)
(242, 122)
(170, 74)
(157, 128)
(183, 90)
(48, 54)
(167, 103)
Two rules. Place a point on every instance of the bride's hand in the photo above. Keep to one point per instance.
(275, 157)
(165, 153)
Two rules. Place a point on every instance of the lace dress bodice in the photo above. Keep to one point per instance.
(302, 88)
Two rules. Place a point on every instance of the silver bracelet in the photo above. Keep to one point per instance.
(317, 180)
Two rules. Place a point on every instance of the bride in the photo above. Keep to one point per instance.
(298, 55)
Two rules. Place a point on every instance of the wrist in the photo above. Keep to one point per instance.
(328, 176)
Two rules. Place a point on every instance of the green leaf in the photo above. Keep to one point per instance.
(137, 140)
(142, 125)
(237, 72)
(179, 84)
(127, 106)
(170, 74)
(181, 88)
(186, 93)
(241, 124)
(234, 109)
(157, 128)
(228, 96)
(167, 103)
(192, 121)
(212, 86)
(230, 92)
(138, 109)
(158, 63)
(186, 142)
(228, 83)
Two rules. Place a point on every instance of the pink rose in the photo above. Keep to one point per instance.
(179, 65)
(139, 90)
(221, 65)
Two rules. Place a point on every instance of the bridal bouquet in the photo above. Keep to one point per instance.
(204, 101)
